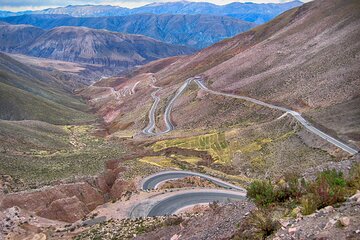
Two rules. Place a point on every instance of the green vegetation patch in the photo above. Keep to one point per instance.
(17, 104)
(214, 143)
(75, 152)
(329, 188)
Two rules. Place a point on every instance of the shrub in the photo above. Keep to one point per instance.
(329, 188)
(309, 204)
(296, 187)
(257, 225)
(214, 205)
(354, 179)
(261, 192)
(171, 221)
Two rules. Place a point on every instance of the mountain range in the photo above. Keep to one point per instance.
(252, 12)
(85, 45)
(196, 31)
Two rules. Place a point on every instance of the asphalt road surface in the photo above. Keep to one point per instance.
(171, 204)
(153, 181)
(149, 130)
(168, 203)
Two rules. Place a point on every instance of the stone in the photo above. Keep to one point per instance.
(328, 209)
(330, 223)
(175, 237)
(292, 230)
(39, 236)
(356, 196)
(344, 221)
(284, 223)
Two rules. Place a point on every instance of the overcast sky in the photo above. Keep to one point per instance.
(20, 5)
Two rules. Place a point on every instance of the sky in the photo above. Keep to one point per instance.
(20, 5)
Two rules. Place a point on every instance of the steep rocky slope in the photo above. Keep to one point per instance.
(12, 36)
(76, 44)
(196, 31)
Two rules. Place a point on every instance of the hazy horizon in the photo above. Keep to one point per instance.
(22, 5)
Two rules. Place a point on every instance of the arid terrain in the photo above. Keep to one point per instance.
(254, 137)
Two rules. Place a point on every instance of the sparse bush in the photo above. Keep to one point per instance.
(354, 179)
(327, 189)
(261, 192)
(296, 187)
(214, 205)
(309, 204)
(257, 225)
(171, 221)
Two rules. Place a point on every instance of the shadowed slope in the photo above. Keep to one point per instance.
(27, 93)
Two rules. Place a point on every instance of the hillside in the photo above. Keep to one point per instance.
(13, 36)
(286, 62)
(84, 45)
(254, 137)
(283, 62)
(29, 94)
(196, 31)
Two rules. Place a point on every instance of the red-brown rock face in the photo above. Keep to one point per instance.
(72, 200)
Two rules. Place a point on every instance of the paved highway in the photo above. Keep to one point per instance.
(153, 181)
(170, 202)
(149, 130)
(170, 205)
(295, 114)
(169, 107)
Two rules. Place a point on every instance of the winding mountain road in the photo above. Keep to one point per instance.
(197, 80)
(171, 202)
(153, 181)
(295, 114)
(149, 130)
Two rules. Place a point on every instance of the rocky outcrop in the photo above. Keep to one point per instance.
(328, 223)
(120, 188)
(66, 202)
(110, 183)
(65, 209)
